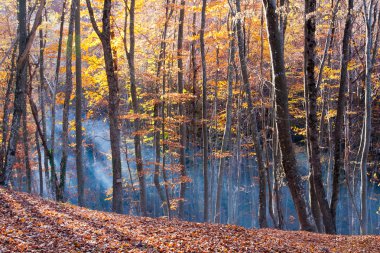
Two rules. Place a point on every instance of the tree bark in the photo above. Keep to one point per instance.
(66, 105)
(204, 113)
(311, 94)
(135, 106)
(282, 118)
(345, 51)
(255, 131)
(113, 102)
(181, 113)
(78, 106)
(227, 128)
(25, 44)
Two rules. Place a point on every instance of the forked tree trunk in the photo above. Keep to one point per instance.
(113, 102)
(255, 132)
(311, 95)
(282, 118)
(340, 109)
(25, 44)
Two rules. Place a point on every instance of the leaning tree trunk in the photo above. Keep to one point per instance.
(282, 118)
(340, 110)
(255, 132)
(113, 102)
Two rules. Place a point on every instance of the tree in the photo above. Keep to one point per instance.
(25, 44)
(182, 129)
(135, 106)
(282, 117)
(78, 106)
(227, 128)
(113, 101)
(66, 105)
(255, 132)
(311, 94)
(340, 108)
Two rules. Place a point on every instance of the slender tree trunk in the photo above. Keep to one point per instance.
(160, 66)
(227, 128)
(255, 132)
(78, 106)
(54, 183)
(39, 157)
(28, 169)
(181, 112)
(340, 110)
(282, 118)
(135, 106)
(369, 12)
(113, 102)
(204, 113)
(66, 105)
(25, 44)
(6, 112)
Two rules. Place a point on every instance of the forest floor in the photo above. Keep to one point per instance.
(32, 224)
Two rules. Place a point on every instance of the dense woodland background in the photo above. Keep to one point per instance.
(256, 113)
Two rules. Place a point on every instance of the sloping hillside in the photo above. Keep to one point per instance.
(32, 224)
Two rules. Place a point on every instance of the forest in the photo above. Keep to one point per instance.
(260, 114)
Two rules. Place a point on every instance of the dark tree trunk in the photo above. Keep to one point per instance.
(227, 128)
(6, 112)
(25, 44)
(66, 106)
(204, 113)
(340, 109)
(113, 102)
(181, 113)
(78, 106)
(255, 132)
(282, 118)
(135, 106)
(311, 94)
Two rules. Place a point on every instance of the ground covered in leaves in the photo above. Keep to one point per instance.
(32, 224)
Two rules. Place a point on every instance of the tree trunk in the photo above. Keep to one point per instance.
(113, 102)
(311, 94)
(181, 113)
(25, 44)
(204, 113)
(6, 112)
(369, 12)
(255, 132)
(135, 106)
(26, 148)
(227, 128)
(78, 106)
(54, 183)
(340, 110)
(66, 106)
(282, 118)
